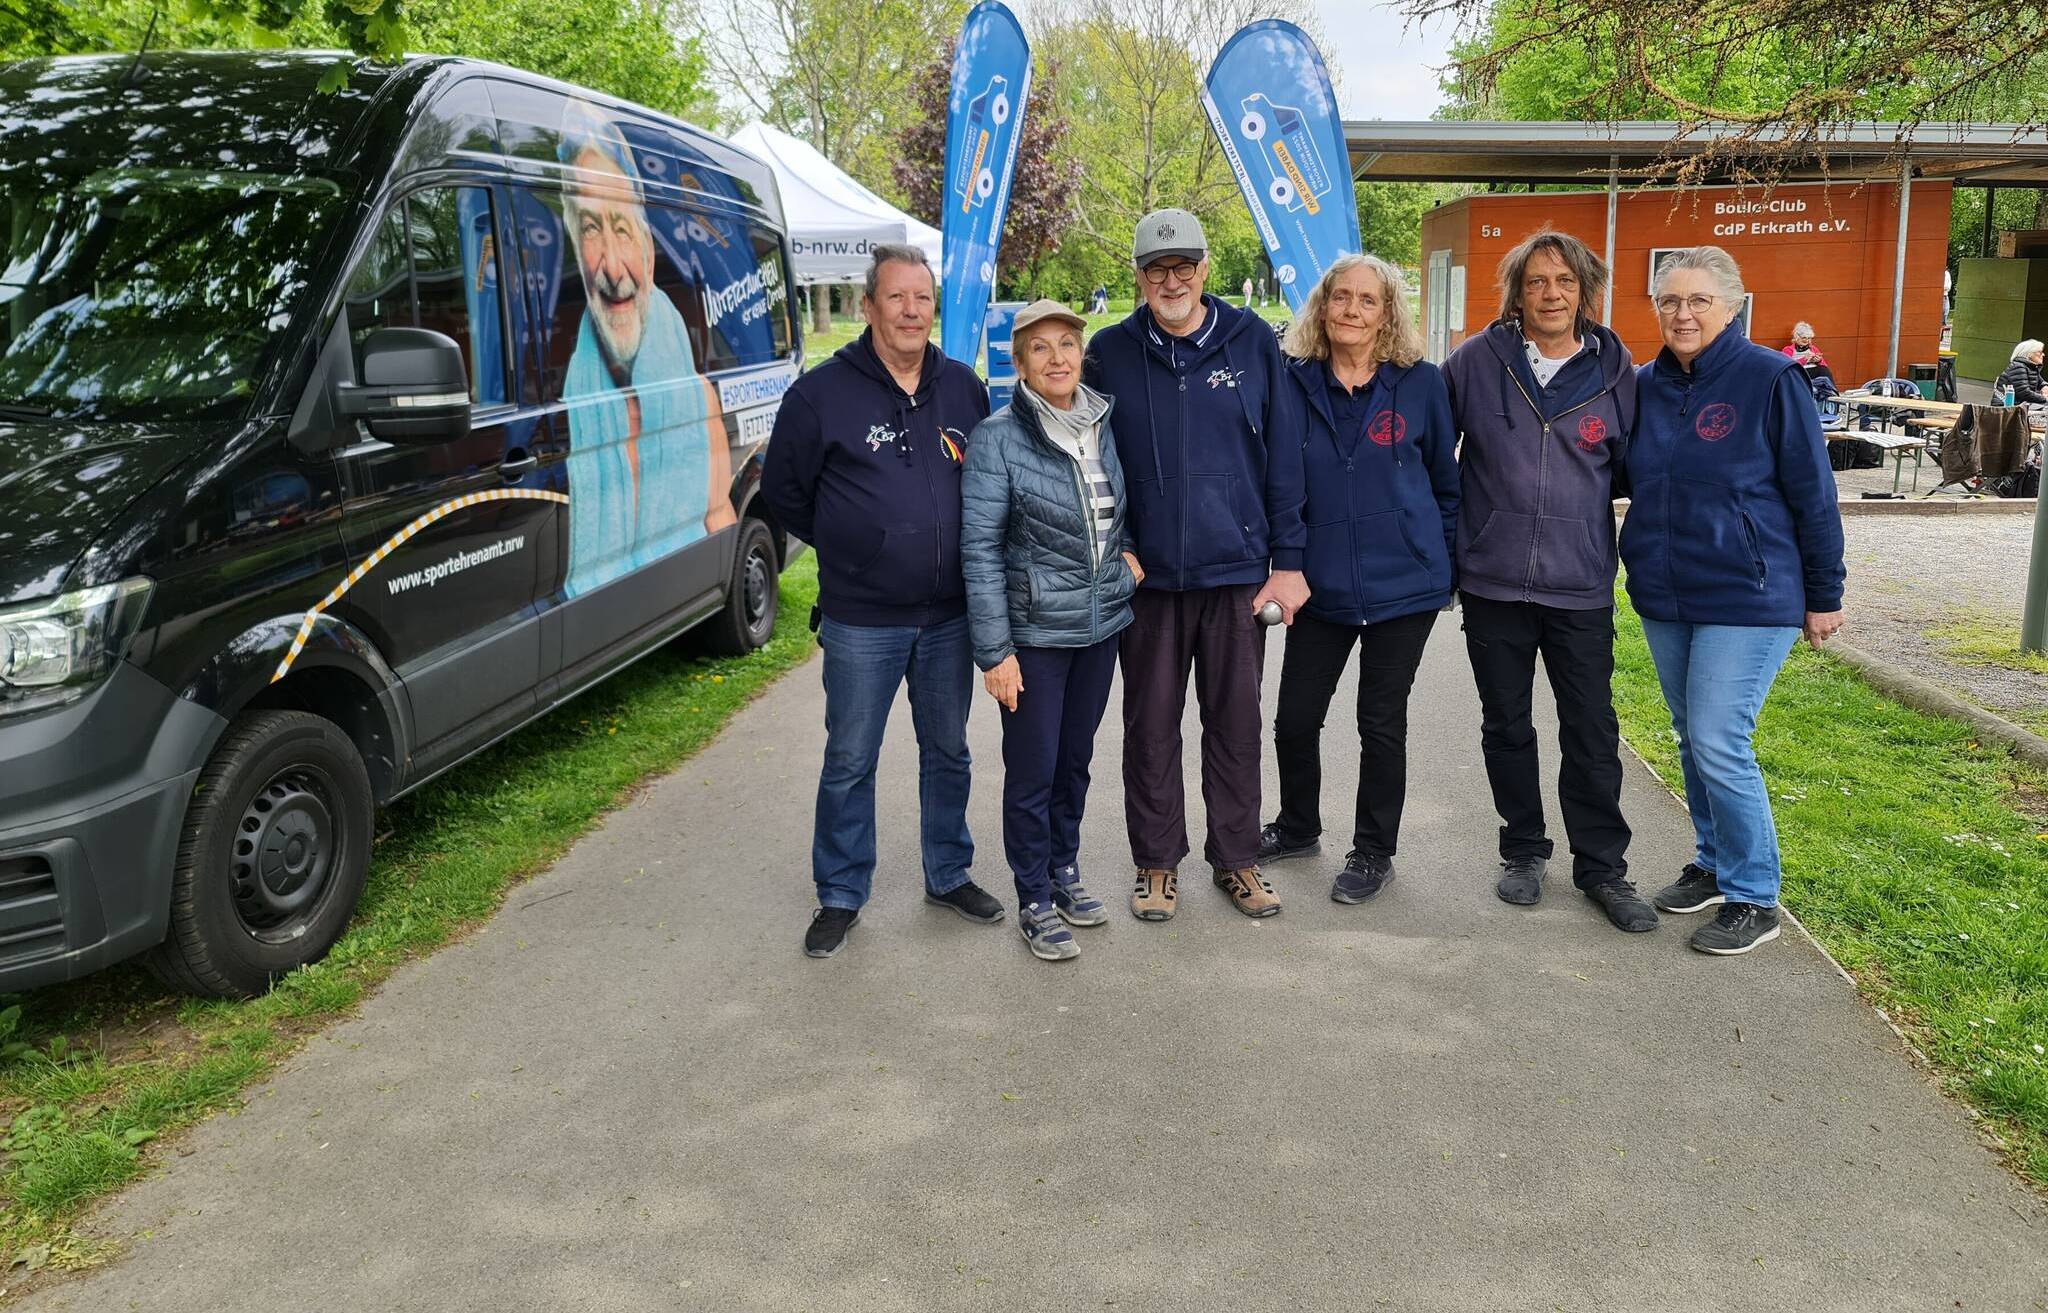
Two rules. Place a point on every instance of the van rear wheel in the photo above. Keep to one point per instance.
(274, 853)
(748, 620)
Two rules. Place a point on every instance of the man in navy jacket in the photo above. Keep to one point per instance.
(864, 464)
(1209, 435)
(1543, 399)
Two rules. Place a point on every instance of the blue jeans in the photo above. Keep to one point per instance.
(1715, 678)
(864, 666)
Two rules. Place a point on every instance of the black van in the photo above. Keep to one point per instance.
(342, 432)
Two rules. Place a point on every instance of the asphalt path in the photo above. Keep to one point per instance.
(632, 1091)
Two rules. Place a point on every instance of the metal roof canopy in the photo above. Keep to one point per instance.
(1982, 155)
(1990, 154)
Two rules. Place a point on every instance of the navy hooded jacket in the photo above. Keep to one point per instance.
(1382, 506)
(1208, 428)
(1539, 467)
(870, 476)
(1733, 519)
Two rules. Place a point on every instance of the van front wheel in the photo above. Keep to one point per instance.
(273, 856)
(748, 620)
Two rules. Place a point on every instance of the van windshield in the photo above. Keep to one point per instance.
(150, 293)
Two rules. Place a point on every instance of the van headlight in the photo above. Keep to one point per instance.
(54, 651)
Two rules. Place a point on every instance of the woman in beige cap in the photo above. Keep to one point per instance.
(1048, 591)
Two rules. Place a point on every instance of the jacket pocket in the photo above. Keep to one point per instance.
(1756, 551)
(1219, 527)
(1500, 550)
(902, 570)
(1568, 557)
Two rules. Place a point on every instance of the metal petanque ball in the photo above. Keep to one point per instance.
(1271, 614)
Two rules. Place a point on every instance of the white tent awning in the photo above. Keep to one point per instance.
(833, 221)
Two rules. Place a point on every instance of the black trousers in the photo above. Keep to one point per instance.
(1503, 639)
(1317, 651)
(1213, 632)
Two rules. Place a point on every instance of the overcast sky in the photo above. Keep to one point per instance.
(1387, 73)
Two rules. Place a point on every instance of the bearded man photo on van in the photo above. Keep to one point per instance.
(650, 471)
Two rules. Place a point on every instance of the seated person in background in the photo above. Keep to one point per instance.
(1802, 348)
(2023, 376)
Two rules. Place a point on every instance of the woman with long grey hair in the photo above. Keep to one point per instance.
(1733, 545)
(1382, 477)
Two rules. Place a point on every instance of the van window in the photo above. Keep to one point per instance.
(730, 287)
(433, 263)
(147, 293)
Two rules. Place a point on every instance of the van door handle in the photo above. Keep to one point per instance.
(516, 463)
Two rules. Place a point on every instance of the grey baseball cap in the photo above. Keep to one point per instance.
(1165, 233)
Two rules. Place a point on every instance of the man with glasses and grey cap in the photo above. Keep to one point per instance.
(1209, 437)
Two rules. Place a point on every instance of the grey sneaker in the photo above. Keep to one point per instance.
(1736, 928)
(1521, 883)
(1071, 899)
(1695, 891)
(1044, 935)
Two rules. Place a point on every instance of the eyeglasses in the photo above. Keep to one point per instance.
(1668, 306)
(1184, 272)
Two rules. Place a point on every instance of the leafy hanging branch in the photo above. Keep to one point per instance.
(1774, 80)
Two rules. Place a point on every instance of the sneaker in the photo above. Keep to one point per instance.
(1364, 875)
(1249, 892)
(1156, 894)
(1736, 928)
(1072, 900)
(1624, 906)
(1276, 845)
(971, 901)
(827, 934)
(1044, 935)
(1521, 883)
(1696, 891)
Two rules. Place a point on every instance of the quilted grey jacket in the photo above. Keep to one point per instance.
(1026, 546)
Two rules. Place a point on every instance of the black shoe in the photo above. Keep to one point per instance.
(1276, 845)
(1624, 906)
(827, 934)
(1736, 928)
(1522, 882)
(1696, 891)
(1364, 875)
(971, 901)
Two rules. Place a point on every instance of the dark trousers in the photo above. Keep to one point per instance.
(1503, 639)
(1214, 630)
(1317, 651)
(1047, 744)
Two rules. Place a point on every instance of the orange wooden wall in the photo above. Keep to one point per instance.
(1837, 275)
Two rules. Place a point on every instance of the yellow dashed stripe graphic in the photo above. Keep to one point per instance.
(393, 544)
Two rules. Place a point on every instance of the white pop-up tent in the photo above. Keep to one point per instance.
(833, 221)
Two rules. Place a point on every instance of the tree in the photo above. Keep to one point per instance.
(1043, 191)
(1390, 219)
(634, 49)
(1132, 91)
(1772, 76)
(835, 72)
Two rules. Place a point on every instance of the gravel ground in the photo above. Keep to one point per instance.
(1910, 573)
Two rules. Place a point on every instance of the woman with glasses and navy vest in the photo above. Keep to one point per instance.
(1733, 545)
(1378, 456)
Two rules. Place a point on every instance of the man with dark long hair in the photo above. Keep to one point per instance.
(1543, 399)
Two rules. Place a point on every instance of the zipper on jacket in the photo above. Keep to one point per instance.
(1543, 436)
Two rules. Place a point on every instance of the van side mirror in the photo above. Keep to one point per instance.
(414, 389)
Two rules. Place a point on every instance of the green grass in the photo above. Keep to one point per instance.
(92, 1073)
(1976, 639)
(1917, 856)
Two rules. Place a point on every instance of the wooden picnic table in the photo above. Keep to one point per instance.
(1950, 409)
